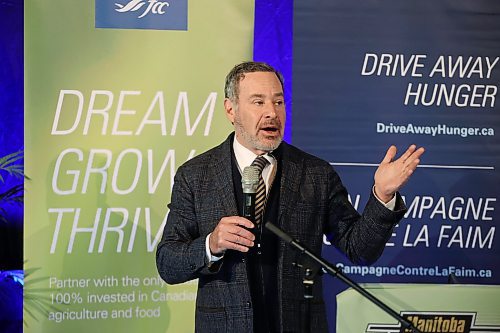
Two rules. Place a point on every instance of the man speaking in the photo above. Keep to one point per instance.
(247, 280)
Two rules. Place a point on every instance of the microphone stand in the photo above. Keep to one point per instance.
(310, 270)
(336, 272)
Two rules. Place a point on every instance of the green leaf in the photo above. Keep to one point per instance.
(9, 165)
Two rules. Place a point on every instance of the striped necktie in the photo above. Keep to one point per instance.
(260, 196)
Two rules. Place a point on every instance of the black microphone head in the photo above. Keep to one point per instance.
(250, 179)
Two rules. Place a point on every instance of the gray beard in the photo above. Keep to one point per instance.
(254, 142)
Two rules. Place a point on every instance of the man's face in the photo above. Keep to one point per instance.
(259, 113)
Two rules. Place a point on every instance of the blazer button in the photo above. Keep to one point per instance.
(249, 305)
(242, 260)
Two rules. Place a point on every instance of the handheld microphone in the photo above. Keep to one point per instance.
(249, 184)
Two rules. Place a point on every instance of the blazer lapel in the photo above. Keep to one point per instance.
(223, 178)
(291, 176)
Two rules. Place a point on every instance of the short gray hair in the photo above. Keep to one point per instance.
(231, 88)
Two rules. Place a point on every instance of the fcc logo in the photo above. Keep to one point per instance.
(141, 14)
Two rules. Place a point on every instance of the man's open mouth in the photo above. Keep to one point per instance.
(270, 129)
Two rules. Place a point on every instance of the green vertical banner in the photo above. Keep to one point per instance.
(118, 94)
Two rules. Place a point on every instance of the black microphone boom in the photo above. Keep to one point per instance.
(336, 272)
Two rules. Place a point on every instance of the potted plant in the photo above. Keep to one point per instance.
(11, 273)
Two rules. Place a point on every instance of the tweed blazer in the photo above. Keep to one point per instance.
(313, 202)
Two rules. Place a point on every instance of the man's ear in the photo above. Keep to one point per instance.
(229, 107)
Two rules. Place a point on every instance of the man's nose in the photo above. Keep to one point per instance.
(270, 111)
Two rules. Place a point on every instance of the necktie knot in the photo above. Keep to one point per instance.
(260, 162)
